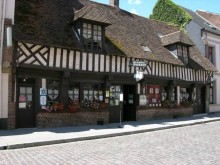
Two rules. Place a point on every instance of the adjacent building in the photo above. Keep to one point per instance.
(81, 62)
(6, 20)
(204, 30)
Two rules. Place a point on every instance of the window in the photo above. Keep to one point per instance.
(210, 54)
(92, 36)
(73, 92)
(93, 95)
(145, 48)
(25, 97)
(115, 95)
(182, 53)
(53, 92)
(183, 95)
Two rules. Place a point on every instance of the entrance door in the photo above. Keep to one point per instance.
(129, 103)
(114, 104)
(25, 109)
(199, 106)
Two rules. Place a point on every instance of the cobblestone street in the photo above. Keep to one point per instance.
(194, 145)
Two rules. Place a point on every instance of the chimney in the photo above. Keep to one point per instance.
(114, 3)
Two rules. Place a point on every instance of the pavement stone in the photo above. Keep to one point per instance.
(30, 137)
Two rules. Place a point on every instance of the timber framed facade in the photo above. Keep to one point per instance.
(57, 81)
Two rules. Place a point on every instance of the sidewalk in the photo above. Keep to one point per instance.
(30, 137)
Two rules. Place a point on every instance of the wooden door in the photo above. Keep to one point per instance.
(199, 105)
(114, 104)
(129, 103)
(25, 108)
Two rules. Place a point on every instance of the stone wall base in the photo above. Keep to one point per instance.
(93, 117)
(162, 113)
(71, 119)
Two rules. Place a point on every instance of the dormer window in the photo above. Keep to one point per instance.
(182, 53)
(92, 36)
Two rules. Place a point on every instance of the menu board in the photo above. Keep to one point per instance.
(154, 95)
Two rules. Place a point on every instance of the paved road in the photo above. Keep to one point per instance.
(194, 145)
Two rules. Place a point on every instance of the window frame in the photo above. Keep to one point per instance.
(210, 54)
(183, 53)
(57, 99)
(96, 44)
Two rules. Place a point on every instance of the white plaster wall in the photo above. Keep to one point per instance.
(214, 40)
(4, 96)
(10, 9)
(6, 11)
(194, 32)
(1, 13)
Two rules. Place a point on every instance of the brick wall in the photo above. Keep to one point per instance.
(7, 60)
(161, 113)
(71, 119)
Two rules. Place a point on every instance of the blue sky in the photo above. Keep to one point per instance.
(144, 7)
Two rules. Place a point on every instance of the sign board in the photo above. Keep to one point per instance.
(43, 100)
(138, 63)
(43, 92)
(121, 97)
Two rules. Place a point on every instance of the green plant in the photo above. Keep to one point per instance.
(169, 103)
(73, 106)
(167, 11)
(186, 103)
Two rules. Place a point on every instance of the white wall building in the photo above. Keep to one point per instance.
(6, 12)
(206, 35)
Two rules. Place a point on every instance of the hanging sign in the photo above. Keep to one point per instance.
(138, 75)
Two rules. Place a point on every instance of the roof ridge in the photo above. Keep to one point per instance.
(167, 23)
(208, 12)
(170, 34)
(84, 8)
(207, 21)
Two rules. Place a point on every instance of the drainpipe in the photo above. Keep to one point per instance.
(1, 51)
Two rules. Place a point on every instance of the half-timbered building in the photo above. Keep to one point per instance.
(78, 62)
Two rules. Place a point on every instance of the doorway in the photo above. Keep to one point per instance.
(114, 104)
(129, 103)
(199, 106)
(25, 111)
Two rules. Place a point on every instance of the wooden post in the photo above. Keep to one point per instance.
(64, 89)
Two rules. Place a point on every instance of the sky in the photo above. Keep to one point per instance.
(144, 7)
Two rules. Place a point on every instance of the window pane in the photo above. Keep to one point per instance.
(29, 97)
(95, 27)
(29, 90)
(85, 25)
(89, 26)
(74, 92)
(22, 89)
(53, 91)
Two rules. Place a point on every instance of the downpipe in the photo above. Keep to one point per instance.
(1, 51)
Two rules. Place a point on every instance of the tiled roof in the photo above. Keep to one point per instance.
(176, 37)
(202, 22)
(200, 60)
(213, 18)
(91, 12)
(50, 22)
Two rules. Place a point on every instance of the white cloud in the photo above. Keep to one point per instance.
(134, 11)
(137, 2)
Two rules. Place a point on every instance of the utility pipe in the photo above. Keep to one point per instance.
(1, 52)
